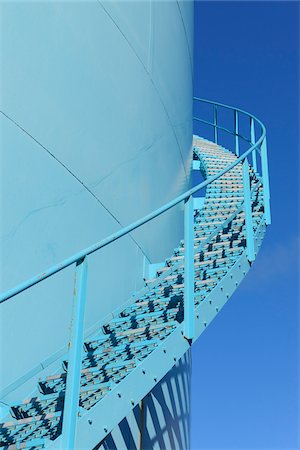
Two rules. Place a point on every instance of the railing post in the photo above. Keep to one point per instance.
(215, 124)
(252, 129)
(265, 177)
(189, 271)
(248, 212)
(236, 130)
(71, 404)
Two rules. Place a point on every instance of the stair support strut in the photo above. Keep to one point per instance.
(265, 177)
(215, 125)
(236, 129)
(254, 161)
(189, 270)
(71, 404)
(248, 212)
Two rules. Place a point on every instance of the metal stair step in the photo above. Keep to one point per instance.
(96, 356)
(41, 425)
(143, 319)
(34, 406)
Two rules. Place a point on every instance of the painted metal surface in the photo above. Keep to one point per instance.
(71, 403)
(189, 271)
(252, 131)
(123, 232)
(236, 131)
(259, 144)
(85, 129)
(265, 176)
(131, 393)
(171, 349)
(215, 124)
(161, 420)
(248, 211)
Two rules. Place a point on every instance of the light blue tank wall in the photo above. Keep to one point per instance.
(95, 132)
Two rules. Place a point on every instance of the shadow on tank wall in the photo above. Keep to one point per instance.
(161, 420)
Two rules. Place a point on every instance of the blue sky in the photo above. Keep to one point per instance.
(245, 383)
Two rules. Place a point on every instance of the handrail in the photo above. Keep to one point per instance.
(219, 127)
(236, 110)
(71, 401)
(133, 226)
(232, 108)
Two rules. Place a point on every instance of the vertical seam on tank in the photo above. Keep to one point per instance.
(152, 82)
(187, 42)
(151, 38)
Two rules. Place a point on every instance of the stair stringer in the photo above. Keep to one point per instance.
(94, 425)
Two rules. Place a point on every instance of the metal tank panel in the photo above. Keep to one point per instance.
(96, 131)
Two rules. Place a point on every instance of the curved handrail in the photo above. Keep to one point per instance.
(219, 127)
(232, 108)
(133, 226)
(72, 391)
(236, 111)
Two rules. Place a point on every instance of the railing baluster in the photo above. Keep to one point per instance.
(236, 130)
(254, 162)
(189, 271)
(215, 124)
(265, 177)
(71, 404)
(248, 212)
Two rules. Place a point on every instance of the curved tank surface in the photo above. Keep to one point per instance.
(96, 131)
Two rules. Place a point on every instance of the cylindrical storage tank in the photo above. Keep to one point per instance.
(96, 132)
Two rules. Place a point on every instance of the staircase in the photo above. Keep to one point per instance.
(121, 348)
